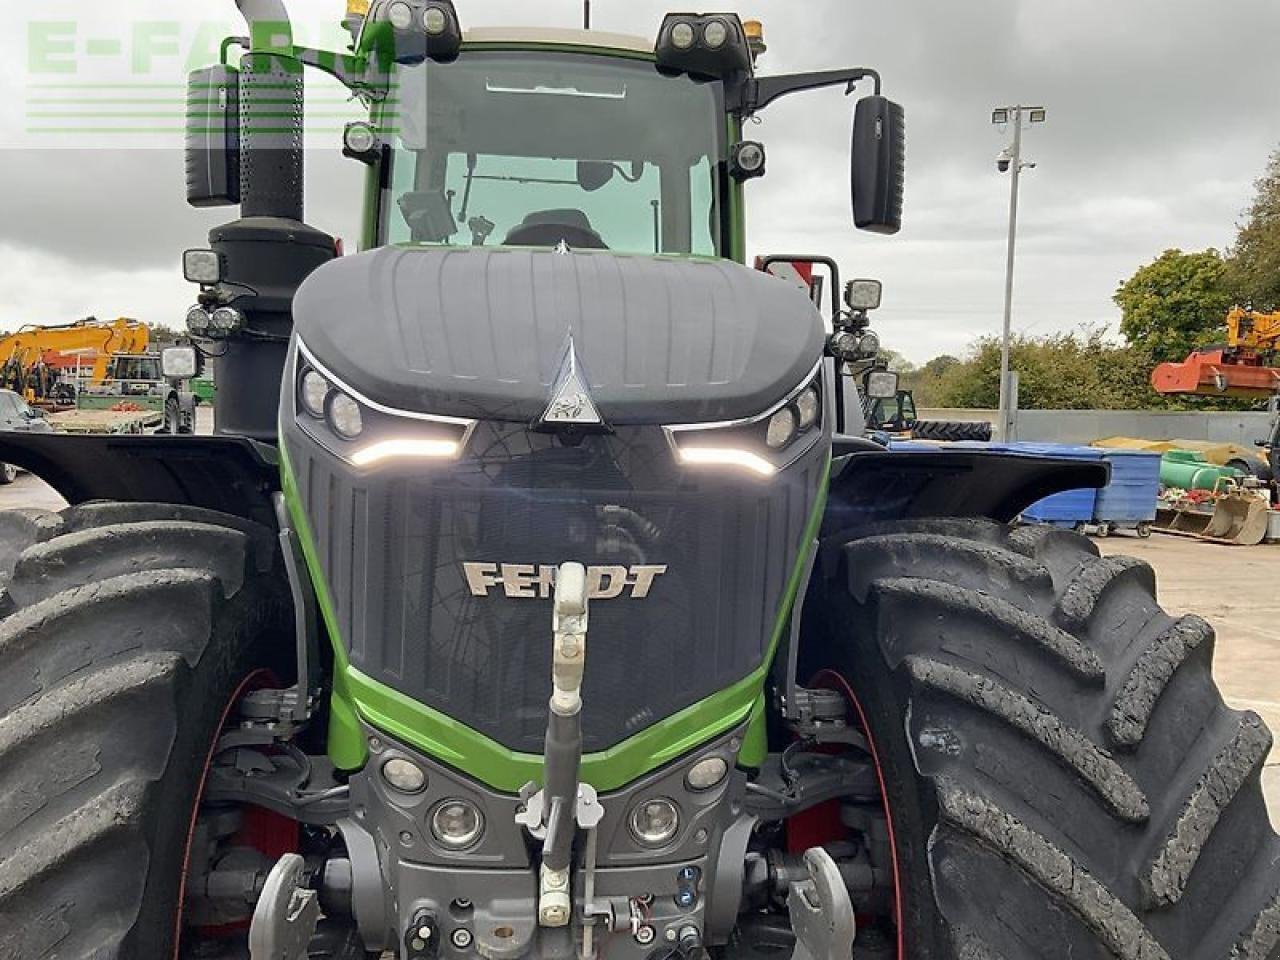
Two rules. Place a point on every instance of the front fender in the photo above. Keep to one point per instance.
(229, 474)
(876, 486)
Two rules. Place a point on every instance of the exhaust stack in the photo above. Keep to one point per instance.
(271, 115)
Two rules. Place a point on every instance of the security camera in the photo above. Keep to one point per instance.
(1004, 161)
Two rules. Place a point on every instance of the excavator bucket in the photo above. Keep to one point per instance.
(1238, 518)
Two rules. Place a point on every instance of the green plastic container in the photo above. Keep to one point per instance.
(1189, 470)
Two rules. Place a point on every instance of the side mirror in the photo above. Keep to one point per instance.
(213, 137)
(179, 363)
(878, 164)
(882, 385)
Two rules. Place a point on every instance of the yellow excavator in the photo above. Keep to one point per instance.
(43, 364)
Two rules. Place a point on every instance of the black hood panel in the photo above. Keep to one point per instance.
(482, 333)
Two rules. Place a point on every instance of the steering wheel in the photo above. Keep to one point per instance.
(549, 234)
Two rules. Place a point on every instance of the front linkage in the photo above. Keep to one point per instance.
(574, 908)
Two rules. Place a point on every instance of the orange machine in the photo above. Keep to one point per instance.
(34, 359)
(1244, 367)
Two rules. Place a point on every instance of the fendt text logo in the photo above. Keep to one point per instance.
(527, 581)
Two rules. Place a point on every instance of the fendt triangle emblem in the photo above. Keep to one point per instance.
(571, 401)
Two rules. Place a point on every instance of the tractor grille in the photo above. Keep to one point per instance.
(393, 549)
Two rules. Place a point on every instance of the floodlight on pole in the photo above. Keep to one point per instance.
(1010, 160)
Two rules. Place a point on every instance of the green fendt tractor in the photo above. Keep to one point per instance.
(539, 595)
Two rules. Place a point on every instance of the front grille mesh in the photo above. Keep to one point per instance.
(393, 548)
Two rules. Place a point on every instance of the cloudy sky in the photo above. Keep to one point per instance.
(1161, 113)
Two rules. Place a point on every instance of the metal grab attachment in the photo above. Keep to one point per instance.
(554, 813)
(821, 911)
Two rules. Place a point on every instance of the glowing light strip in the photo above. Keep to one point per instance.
(727, 457)
(405, 449)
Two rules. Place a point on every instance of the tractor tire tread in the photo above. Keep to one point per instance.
(1051, 734)
(127, 628)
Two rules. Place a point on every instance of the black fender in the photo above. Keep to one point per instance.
(870, 485)
(233, 475)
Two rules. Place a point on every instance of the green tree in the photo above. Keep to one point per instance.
(1174, 304)
(1253, 265)
(1064, 371)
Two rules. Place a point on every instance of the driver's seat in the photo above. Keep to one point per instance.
(546, 228)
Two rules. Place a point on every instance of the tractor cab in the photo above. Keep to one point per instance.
(896, 414)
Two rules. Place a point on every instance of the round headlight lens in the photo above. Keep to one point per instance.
(400, 15)
(682, 35)
(751, 157)
(435, 21)
(198, 320)
(345, 416)
(809, 406)
(404, 775)
(715, 35)
(456, 824)
(782, 429)
(654, 822)
(226, 320)
(706, 773)
(315, 389)
(869, 345)
(360, 138)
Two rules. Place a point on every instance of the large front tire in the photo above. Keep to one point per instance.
(127, 630)
(1063, 777)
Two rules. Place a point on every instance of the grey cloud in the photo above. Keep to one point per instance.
(1161, 113)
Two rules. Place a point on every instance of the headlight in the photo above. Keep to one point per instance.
(716, 34)
(655, 822)
(809, 407)
(198, 321)
(345, 417)
(225, 321)
(456, 824)
(683, 36)
(782, 428)
(313, 392)
(363, 432)
(400, 15)
(435, 21)
(706, 773)
(404, 775)
(762, 445)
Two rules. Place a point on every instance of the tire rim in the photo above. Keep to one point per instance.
(832, 680)
(257, 680)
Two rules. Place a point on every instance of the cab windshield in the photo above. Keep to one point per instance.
(532, 149)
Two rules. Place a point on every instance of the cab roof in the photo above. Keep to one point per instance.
(557, 36)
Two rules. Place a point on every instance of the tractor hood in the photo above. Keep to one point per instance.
(484, 333)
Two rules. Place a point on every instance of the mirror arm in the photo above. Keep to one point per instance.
(758, 93)
(347, 69)
(225, 51)
(766, 262)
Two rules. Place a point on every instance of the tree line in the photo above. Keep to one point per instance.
(1169, 307)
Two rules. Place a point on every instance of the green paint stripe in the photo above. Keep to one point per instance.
(488, 761)
(149, 115)
(119, 131)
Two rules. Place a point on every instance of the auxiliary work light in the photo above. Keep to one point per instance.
(708, 45)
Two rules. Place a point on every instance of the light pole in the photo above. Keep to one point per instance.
(1010, 161)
